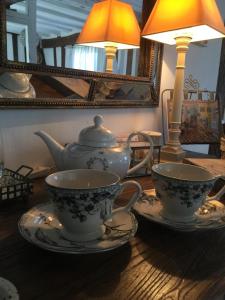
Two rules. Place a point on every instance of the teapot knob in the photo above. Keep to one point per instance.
(98, 120)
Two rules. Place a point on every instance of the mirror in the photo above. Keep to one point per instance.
(37, 89)
(21, 85)
(45, 32)
(39, 37)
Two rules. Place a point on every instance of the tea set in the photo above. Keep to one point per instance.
(81, 217)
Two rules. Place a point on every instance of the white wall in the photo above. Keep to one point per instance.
(21, 146)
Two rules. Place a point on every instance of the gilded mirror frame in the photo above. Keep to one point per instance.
(150, 66)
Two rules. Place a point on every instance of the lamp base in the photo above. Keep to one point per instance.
(172, 153)
(110, 51)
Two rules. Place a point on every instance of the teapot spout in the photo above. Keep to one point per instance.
(54, 147)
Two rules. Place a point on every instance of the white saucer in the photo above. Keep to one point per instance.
(7, 290)
(210, 216)
(40, 227)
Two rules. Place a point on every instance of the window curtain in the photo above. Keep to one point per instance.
(49, 56)
(91, 59)
(135, 61)
(120, 64)
(10, 54)
(85, 58)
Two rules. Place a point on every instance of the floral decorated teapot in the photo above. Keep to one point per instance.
(97, 148)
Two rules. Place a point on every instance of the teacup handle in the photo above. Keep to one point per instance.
(134, 197)
(221, 191)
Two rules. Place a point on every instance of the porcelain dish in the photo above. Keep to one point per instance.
(7, 290)
(210, 216)
(40, 227)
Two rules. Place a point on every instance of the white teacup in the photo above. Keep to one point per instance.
(182, 189)
(83, 200)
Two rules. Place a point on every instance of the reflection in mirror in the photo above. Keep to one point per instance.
(16, 85)
(19, 7)
(41, 87)
(121, 91)
(45, 32)
(21, 85)
(61, 87)
(17, 42)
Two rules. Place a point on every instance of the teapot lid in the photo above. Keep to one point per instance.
(97, 135)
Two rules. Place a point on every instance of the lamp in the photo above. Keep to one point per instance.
(112, 25)
(181, 22)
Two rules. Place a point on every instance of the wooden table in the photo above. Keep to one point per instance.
(157, 264)
(215, 165)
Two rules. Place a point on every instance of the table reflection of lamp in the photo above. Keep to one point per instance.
(112, 25)
(181, 22)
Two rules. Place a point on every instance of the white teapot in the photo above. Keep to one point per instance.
(97, 148)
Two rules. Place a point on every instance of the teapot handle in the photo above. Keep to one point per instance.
(148, 156)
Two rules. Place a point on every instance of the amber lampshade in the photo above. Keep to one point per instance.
(111, 22)
(198, 19)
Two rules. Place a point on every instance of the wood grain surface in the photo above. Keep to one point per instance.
(215, 166)
(157, 264)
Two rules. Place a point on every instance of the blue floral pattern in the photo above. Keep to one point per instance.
(187, 192)
(83, 203)
(102, 160)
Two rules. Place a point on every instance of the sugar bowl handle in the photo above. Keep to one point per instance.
(148, 156)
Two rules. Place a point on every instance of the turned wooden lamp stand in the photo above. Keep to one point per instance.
(173, 150)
